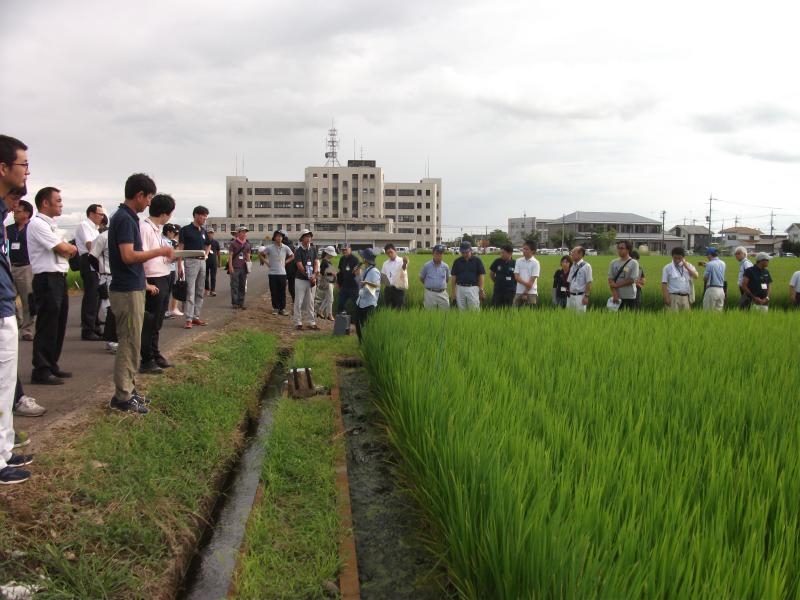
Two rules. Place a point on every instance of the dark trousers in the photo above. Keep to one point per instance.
(18, 392)
(154, 308)
(238, 285)
(290, 285)
(745, 301)
(503, 297)
(345, 294)
(110, 330)
(52, 310)
(628, 304)
(362, 314)
(211, 274)
(394, 297)
(91, 297)
(277, 291)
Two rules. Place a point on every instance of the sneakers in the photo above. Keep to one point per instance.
(19, 460)
(177, 313)
(131, 406)
(169, 315)
(27, 407)
(10, 476)
(274, 312)
(140, 399)
(283, 312)
(21, 439)
(112, 347)
(150, 368)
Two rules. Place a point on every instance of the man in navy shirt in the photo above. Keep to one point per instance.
(17, 236)
(502, 273)
(194, 237)
(127, 290)
(13, 174)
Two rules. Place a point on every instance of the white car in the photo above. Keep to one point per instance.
(591, 252)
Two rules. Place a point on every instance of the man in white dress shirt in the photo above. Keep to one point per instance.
(85, 235)
(49, 252)
(676, 281)
(394, 275)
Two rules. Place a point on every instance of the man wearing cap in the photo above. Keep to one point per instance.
(307, 263)
(434, 276)
(502, 273)
(323, 301)
(369, 291)
(744, 263)
(757, 283)
(714, 278)
(346, 280)
(579, 281)
(278, 257)
(526, 274)
(467, 279)
(238, 266)
(395, 277)
(212, 264)
(676, 281)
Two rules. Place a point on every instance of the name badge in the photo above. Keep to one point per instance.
(347, 268)
(241, 257)
(508, 278)
(15, 245)
(763, 286)
(563, 289)
(210, 252)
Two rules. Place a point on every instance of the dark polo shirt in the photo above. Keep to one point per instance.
(123, 228)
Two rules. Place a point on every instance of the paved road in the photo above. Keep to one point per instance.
(92, 366)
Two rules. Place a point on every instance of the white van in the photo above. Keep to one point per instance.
(402, 249)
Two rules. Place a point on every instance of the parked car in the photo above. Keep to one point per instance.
(591, 252)
(402, 249)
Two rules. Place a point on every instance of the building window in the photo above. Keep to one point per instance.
(315, 203)
(249, 191)
(260, 227)
(325, 204)
(405, 230)
(240, 203)
(427, 193)
(419, 205)
(419, 244)
(389, 192)
(282, 204)
(326, 227)
(324, 175)
(251, 227)
(428, 205)
(406, 205)
(405, 192)
(419, 192)
(428, 218)
(364, 176)
(428, 244)
(263, 203)
(249, 204)
(419, 217)
(377, 227)
(365, 190)
(406, 218)
(372, 175)
(355, 192)
(299, 204)
(372, 204)
(371, 190)
(263, 191)
(427, 231)
(344, 210)
(389, 205)
(282, 191)
(241, 191)
(344, 197)
(314, 175)
(299, 191)
(233, 227)
(419, 231)
(223, 227)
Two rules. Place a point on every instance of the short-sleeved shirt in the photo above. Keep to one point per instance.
(527, 269)
(277, 255)
(347, 272)
(86, 231)
(43, 236)
(306, 257)
(100, 252)
(715, 273)
(794, 283)
(504, 274)
(17, 245)
(677, 278)
(239, 253)
(621, 270)
(367, 298)
(157, 266)
(123, 228)
(8, 293)
(392, 269)
(193, 237)
(435, 276)
(467, 272)
(744, 264)
(580, 275)
(757, 281)
(213, 251)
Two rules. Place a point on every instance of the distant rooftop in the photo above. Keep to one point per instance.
(604, 217)
(692, 229)
(742, 230)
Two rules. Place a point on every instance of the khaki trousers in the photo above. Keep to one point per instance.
(714, 299)
(23, 281)
(531, 300)
(128, 308)
(438, 300)
(678, 303)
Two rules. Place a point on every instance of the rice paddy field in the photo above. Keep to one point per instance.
(781, 269)
(558, 455)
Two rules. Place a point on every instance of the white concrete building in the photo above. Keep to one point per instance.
(352, 203)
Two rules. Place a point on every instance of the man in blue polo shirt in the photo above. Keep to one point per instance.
(194, 237)
(714, 277)
(434, 277)
(127, 290)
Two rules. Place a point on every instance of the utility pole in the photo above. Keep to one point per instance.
(736, 221)
(771, 228)
(562, 231)
(663, 224)
(708, 218)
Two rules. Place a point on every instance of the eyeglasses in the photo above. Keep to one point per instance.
(26, 165)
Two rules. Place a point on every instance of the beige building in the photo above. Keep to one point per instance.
(352, 203)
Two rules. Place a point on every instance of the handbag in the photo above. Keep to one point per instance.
(179, 290)
(611, 305)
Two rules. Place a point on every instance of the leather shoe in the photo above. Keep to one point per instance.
(90, 337)
(150, 368)
(163, 362)
(62, 374)
(49, 380)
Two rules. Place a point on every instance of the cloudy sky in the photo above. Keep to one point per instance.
(521, 107)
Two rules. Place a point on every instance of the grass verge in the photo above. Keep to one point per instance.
(292, 540)
(113, 512)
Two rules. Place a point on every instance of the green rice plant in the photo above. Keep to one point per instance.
(560, 455)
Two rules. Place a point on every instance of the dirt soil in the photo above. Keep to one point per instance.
(393, 562)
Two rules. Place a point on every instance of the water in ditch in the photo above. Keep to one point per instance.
(212, 568)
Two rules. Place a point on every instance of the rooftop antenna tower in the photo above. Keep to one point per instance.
(332, 151)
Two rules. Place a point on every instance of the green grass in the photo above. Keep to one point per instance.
(293, 534)
(125, 500)
(592, 456)
(781, 269)
(291, 545)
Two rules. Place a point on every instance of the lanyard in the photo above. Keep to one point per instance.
(571, 277)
